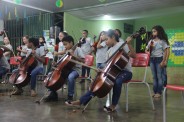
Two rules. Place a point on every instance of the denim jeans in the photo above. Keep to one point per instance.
(157, 74)
(122, 77)
(34, 73)
(71, 82)
(100, 65)
(3, 71)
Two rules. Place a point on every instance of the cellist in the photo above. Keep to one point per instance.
(4, 65)
(39, 54)
(112, 41)
(68, 42)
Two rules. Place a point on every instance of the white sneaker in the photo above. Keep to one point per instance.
(64, 86)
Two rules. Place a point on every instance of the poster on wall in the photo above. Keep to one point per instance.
(176, 40)
(49, 43)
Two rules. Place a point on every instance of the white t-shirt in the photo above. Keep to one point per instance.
(78, 53)
(10, 47)
(113, 49)
(86, 47)
(4, 63)
(158, 47)
(24, 48)
(40, 52)
(61, 48)
(100, 53)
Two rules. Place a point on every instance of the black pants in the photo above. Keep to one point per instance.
(84, 70)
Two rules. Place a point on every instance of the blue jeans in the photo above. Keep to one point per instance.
(71, 82)
(157, 74)
(3, 71)
(34, 73)
(122, 77)
(100, 65)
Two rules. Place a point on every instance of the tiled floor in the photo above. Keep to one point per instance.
(24, 109)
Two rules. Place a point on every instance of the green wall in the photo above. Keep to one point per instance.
(72, 23)
(174, 21)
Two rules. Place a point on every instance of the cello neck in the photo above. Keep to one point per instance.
(119, 49)
(27, 58)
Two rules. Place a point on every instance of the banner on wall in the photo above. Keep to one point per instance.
(49, 43)
(176, 40)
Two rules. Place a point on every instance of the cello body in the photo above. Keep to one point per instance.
(58, 76)
(21, 77)
(104, 81)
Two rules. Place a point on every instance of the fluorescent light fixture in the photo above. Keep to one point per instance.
(28, 6)
(106, 17)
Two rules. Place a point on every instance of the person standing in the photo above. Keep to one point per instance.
(157, 47)
(86, 46)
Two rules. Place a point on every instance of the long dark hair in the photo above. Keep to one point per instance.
(111, 33)
(100, 35)
(27, 37)
(119, 32)
(160, 33)
(42, 43)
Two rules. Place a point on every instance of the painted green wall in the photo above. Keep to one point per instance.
(175, 21)
(72, 23)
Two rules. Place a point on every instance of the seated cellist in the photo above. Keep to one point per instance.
(112, 41)
(39, 54)
(4, 65)
(68, 42)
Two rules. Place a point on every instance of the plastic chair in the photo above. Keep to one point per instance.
(45, 64)
(14, 61)
(171, 87)
(141, 60)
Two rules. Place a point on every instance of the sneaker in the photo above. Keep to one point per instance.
(52, 97)
(33, 93)
(64, 86)
(69, 103)
(157, 95)
(89, 77)
(108, 109)
(70, 98)
(18, 92)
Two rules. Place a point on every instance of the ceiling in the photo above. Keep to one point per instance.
(94, 9)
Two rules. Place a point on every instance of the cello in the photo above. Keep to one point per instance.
(58, 76)
(104, 81)
(21, 77)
